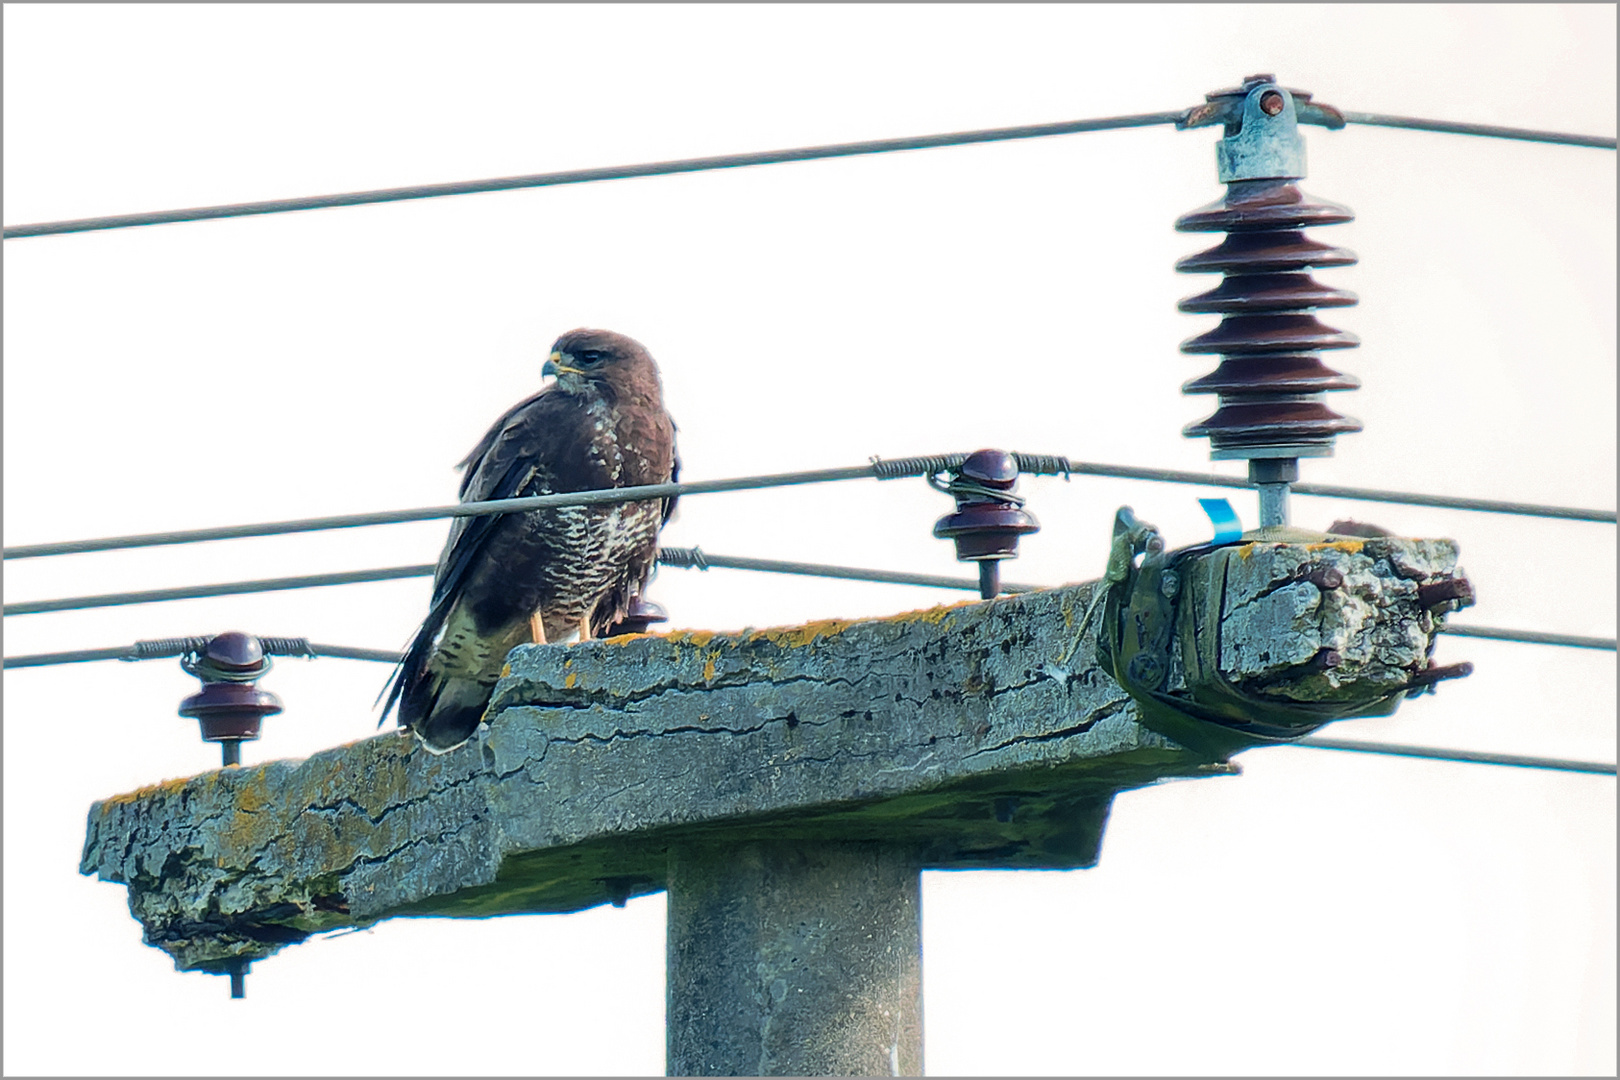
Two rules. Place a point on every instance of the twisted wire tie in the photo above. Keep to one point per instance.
(160, 648)
(933, 464)
(686, 558)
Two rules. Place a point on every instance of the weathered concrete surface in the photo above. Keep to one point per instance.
(981, 734)
(1276, 621)
(794, 958)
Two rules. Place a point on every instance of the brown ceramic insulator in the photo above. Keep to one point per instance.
(236, 652)
(1272, 375)
(1249, 335)
(1268, 205)
(992, 468)
(1254, 294)
(230, 710)
(984, 527)
(1261, 424)
(641, 615)
(1270, 383)
(985, 530)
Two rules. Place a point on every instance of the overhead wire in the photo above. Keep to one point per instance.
(1480, 757)
(228, 588)
(1049, 464)
(582, 176)
(689, 558)
(1451, 127)
(743, 160)
(136, 652)
(665, 490)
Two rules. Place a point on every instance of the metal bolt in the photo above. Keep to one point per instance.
(1271, 103)
(237, 969)
(1458, 591)
(1326, 578)
(1170, 584)
(1430, 676)
(1146, 669)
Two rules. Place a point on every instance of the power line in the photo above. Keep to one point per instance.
(137, 652)
(885, 470)
(697, 559)
(468, 509)
(582, 176)
(690, 558)
(1602, 142)
(734, 161)
(1532, 637)
(229, 588)
(1480, 757)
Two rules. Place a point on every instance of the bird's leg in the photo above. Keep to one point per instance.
(585, 627)
(538, 627)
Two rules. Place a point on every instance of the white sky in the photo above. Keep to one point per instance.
(1321, 913)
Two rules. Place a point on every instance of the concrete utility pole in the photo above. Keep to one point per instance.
(785, 786)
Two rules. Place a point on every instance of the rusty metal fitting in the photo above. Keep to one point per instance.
(989, 517)
(1326, 578)
(642, 614)
(1327, 659)
(1446, 594)
(1430, 675)
(229, 709)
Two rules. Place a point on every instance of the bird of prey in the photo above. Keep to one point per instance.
(542, 575)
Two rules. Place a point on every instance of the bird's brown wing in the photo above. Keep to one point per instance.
(501, 466)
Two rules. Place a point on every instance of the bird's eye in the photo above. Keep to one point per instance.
(588, 357)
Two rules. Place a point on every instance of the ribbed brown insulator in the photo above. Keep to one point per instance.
(1268, 381)
(1271, 375)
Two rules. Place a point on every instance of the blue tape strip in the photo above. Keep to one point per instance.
(1227, 526)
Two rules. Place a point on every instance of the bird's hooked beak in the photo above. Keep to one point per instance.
(557, 364)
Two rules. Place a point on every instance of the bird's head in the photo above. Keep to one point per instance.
(586, 361)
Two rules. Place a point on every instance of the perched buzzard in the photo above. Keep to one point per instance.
(508, 579)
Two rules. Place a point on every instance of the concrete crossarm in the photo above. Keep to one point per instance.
(982, 733)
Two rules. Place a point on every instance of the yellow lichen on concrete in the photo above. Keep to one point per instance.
(150, 791)
(253, 795)
(699, 638)
(1349, 547)
(793, 637)
(312, 834)
(708, 667)
(939, 613)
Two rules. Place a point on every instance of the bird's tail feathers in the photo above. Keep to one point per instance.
(413, 665)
